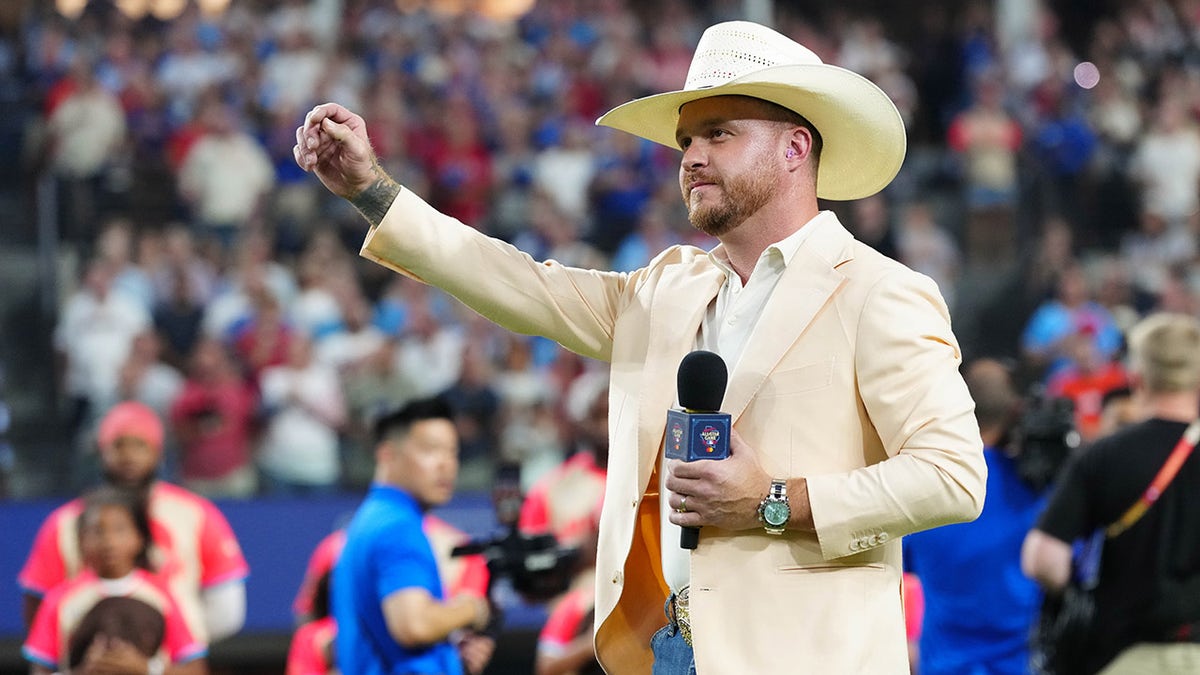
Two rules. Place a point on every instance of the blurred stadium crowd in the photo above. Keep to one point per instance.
(1052, 190)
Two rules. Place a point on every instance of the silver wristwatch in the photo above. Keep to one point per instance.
(774, 511)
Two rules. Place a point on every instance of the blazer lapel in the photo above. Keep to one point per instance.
(680, 300)
(806, 286)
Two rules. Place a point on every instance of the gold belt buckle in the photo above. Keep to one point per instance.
(680, 609)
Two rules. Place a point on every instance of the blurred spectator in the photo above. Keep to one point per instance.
(513, 169)
(311, 652)
(390, 600)
(476, 416)
(564, 644)
(86, 134)
(115, 244)
(178, 319)
(430, 351)
(913, 596)
(214, 419)
(255, 273)
(566, 502)
(292, 70)
(555, 235)
(1063, 143)
(1147, 605)
(1166, 165)
(93, 337)
(263, 338)
(114, 540)
(563, 171)
(979, 608)
(225, 177)
(460, 167)
(620, 191)
(305, 411)
(195, 551)
(187, 68)
(652, 234)
(373, 385)
(871, 223)
(1085, 380)
(1153, 249)
(988, 139)
(311, 649)
(316, 311)
(926, 247)
(181, 263)
(146, 378)
(1071, 311)
(354, 341)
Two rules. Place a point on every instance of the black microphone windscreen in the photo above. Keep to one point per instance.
(701, 381)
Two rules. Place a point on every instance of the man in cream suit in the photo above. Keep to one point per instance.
(852, 424)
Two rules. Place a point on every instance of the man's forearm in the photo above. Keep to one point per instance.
(374, 201)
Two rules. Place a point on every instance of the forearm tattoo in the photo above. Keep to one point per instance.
(374, 201)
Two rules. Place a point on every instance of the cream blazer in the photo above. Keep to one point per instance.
(850, 379)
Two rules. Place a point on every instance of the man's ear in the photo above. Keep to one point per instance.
(800, 145)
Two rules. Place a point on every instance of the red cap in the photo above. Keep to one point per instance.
(130, 419)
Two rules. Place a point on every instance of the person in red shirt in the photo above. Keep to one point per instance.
(1086, 381)
(567, 500)
(213, 418)
(311, 650)
(114, 617)
(193, 549)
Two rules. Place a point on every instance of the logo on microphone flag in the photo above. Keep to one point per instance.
(677, 436)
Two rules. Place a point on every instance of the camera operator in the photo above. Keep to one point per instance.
(978, 606)
(1147, 600)
(388, 597)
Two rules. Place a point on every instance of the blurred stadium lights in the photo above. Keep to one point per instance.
(165, 10)
(500, 10)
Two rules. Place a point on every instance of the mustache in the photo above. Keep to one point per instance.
(690, 177)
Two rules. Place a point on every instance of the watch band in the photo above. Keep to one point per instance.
(778, 490)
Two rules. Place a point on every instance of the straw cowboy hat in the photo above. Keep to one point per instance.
(863, 135)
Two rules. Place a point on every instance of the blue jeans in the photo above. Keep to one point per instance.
(672, 654)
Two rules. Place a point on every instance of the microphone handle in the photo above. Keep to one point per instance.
(689, 538)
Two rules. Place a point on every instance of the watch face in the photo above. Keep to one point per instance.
(776, 514)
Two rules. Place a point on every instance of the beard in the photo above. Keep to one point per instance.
(743, 196)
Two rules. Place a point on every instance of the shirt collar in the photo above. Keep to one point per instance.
(394, 494)
(783, 250)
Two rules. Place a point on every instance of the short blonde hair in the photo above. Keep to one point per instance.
(1165, 350)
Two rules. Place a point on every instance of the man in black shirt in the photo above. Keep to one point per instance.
(1147, 602)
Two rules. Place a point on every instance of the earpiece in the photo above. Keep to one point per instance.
(790, 153)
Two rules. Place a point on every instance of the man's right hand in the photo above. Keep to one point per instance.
(332, 143)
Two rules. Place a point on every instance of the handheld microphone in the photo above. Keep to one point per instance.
(696, 430)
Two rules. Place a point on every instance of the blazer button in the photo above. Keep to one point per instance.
(883, 537)
(853, 544)
(872, 540)
(618, 578)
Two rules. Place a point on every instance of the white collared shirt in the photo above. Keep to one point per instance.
(726, 329)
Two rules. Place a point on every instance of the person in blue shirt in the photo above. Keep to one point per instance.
(979, 606)
(388, 599)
